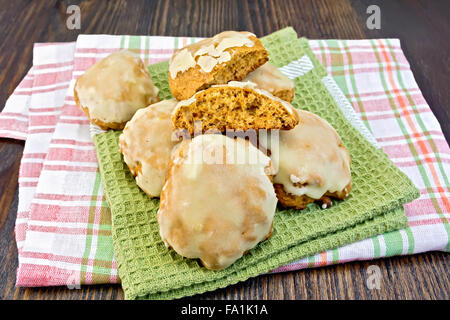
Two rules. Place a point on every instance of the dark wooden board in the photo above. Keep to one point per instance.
(422, 26)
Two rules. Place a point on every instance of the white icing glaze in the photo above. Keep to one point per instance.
(207, 63)
(146, 144)
(311, 159)
(182, 61)
(224, 57)
(214, 206)
(269, 78)
(115, 87)
(234, 40)
(295, 179)
(209, 52)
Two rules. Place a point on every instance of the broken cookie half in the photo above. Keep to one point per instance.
(238, 106)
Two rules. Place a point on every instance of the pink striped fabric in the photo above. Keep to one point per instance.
(14, 117)
(38, 99)
(375, 77)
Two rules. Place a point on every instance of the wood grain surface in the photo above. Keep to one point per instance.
(422, 26)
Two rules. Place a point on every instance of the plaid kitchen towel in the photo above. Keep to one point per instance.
(31, 113)
(74, 225)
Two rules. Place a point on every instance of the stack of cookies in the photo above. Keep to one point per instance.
(224, 151)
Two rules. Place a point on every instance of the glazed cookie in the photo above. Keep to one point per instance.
(312, 163)
(113, 89)
(271, 79)
(237, 106)
(216, 206)
(227, 56)
(146, 144)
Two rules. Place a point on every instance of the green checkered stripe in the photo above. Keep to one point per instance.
(98, 264)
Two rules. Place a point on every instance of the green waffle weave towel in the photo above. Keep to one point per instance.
(149, 270)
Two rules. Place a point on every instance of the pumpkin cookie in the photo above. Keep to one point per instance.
(269, 78)
(227, 56)
(216, 206)
(312, 163)
(113, 89)
(146, 144)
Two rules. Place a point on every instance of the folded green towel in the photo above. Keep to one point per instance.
(149, 270)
